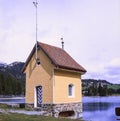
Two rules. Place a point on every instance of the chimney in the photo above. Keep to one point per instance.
(62, 43)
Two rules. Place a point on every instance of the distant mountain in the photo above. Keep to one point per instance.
(12, 80)
(2, 64)
(13, 69)
(95, 81)
(93, 87)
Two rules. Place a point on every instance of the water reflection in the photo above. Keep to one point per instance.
(100, 108)
(96, 106)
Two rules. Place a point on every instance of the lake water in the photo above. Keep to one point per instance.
(100, 108)
(94, 108)
(15, 100)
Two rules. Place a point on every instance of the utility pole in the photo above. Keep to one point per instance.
(37, 59)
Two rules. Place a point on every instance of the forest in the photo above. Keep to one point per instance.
(11, 86)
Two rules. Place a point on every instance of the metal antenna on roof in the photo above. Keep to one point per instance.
(37, 59)
(62, 43)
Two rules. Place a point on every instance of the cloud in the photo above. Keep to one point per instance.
(109, 71)
(90, 30)
(113, 70)
(113, 67)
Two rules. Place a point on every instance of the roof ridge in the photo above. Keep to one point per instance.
(50, 45)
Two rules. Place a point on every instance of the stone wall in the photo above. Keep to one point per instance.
(55, 109)
(76, 107)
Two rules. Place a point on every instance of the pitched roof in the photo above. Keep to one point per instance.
(59, 57)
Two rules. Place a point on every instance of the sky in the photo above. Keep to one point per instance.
(90, 30)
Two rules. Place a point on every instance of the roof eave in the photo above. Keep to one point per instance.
(72, 69)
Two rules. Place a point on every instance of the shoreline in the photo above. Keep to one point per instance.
(11, 98)
(102, 96)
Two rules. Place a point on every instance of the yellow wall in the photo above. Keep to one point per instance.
(61, 81)
(54, 88)
(39, 75)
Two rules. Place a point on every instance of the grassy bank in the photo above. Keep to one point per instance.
(5, 115)
(21, 117)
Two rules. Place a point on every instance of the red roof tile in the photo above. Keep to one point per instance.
(59, 57)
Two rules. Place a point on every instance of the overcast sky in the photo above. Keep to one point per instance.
(90, 28)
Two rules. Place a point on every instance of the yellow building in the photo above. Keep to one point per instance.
(53, 85)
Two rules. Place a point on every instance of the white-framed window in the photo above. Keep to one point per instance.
(71, 90)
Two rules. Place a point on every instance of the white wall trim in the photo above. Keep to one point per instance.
(35, 98)
(73, 91)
